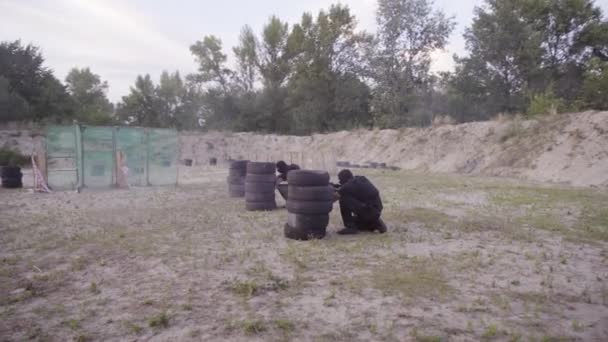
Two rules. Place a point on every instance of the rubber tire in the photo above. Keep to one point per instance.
(235, 190)
(314, 222)
(311, 193)
(301, 234)
(309, 207)
(259, 196)
(239, 164)
(251, 187)
(237, 172)
(259, 206)
(255, 178)
(307, 178)
(11, 183)
(11, 172)
(260, 168)
(236, 180)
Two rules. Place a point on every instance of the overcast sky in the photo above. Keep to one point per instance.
(120, 39)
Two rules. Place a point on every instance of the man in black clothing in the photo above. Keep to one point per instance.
(360, 204)
(283, 169)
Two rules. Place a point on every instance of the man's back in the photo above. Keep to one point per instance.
(363, 190)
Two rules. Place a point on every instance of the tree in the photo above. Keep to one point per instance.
(141, 107)
(408, 31)
(247, 59)
(274, 62)
(171, 103)
(526, 50)
(595, 85)
(89, 94)
(325, 93)
(212, 61)
(30, 91)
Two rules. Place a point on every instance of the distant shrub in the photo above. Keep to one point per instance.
(13, 158)
(545, 103)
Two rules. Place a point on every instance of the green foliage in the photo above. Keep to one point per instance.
(89, 94)
(544, 103)
(13, 158)
(520, 48)
(159, 321)
(400, 59)
(595, 85)
(28, 90)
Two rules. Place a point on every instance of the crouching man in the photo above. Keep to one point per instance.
(283, 169)
(360, 204)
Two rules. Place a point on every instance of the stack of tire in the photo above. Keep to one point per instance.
(11, 177)
(236, 178)
(309, 203)
(259, 186)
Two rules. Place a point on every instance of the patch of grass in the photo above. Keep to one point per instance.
(159, 321)
(254, 327)
(490, 332)
(82, 338)
(133, 328)
(577, 326)
(418, 277)
(284, 325)
(94, 288)
(424, 338)
(73, 324)
(245, 288)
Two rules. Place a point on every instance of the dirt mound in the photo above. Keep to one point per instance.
(569, 148)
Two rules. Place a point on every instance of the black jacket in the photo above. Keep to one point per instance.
(283, 175)
(360, 188)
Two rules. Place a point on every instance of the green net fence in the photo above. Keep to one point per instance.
(103, 157)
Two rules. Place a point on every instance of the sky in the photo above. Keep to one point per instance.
(119, 40)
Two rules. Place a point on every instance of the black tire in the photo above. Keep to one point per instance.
(237, 172)
(11, 183)
(302, 234)
(255, 178)
(258, 206)
(236, 180)
(307, 178)
(259, 196)
(261, 168)
(11, 172)
(235, 190)
(311, 193)
(312, 222)
(309, 207)
(239, 164)
(259, 187)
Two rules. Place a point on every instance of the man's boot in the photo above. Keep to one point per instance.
(350, 229)
(381, 226)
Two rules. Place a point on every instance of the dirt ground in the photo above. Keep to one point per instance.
(465, 259)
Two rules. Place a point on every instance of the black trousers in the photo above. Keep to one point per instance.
(359, 215)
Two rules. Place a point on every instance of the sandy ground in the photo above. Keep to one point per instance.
(465, 259)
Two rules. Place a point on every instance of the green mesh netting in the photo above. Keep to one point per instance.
(87, 156)
(62, 157)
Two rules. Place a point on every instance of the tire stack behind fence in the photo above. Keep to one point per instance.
(259, 186)
(236, 178)
(309, 203)
(11, 177)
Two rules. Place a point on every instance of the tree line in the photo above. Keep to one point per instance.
(323, 74)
